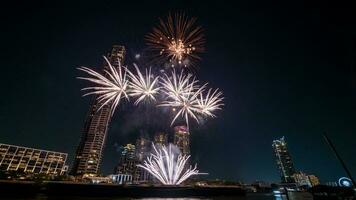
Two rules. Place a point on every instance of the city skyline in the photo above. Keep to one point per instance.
(282, 75)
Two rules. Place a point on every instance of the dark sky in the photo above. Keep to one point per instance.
(286, 69)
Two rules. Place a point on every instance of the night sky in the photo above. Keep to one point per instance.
(286, 69)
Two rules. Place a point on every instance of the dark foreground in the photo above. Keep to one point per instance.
(11, 190)
(58, 189)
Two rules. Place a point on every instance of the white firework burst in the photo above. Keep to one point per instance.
(169, 167)
(143, 87)
(178, 84)
(110, 88)
(182, 92)
(210, 102)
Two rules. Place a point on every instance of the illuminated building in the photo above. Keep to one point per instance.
(301, 179)
(90, 149)
(127, 163)
(160, 138)
(314, 180)
(30, 160)
(143, 146)
(121, 178)
(283, 160)
(181, 139)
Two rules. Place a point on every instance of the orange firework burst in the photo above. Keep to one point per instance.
(176, 40)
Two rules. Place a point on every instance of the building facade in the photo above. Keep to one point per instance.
(304, 180)
(301, 179)
(283, 160)
(128, 162)
(121, 179)
(181, 139)
(314, 180)
(143, 148)
(30, 160)
(160, 138)
(90, 149)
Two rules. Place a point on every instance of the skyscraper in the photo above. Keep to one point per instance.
(181, 139)
(127, 163)
(143, 149)
(160, 138)
(143, 146)
(89, 152)
(283, 160)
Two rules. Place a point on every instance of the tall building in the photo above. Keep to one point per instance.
(143, 147)
(283, 160)
(128, 162)
(160, 138)
(90, 149)
(30, 160)
(181, 139)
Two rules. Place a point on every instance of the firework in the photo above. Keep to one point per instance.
(210, 102)
(165, 165)
(188, 99)
(182, 92)
(177, 85)
(143, 87)
(176, 40)
(110, 88)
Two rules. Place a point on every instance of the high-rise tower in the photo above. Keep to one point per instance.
(128, 164)
(160, 138)
(283, 160)
(143, 146)
(128, 161)
(89, 152)
(181, 139)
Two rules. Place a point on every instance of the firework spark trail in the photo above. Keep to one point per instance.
(210, 102)
(176, 40)
(167, 166)
(182, 92)
(110, 88)
(178, 85)
(143, 87)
